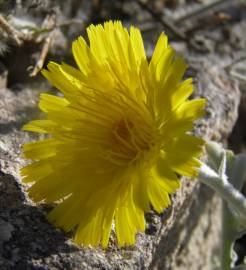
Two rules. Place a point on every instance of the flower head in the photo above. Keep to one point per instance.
(118, 135)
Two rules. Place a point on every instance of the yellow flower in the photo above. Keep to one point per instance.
(118, 135)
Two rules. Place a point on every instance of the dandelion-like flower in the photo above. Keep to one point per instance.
(118, 135)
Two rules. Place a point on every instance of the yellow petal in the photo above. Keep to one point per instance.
(137, 44)
(159, 50)
(40, 150)
(40, 126)
(80, 53)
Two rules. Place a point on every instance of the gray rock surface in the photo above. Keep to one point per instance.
(185, 236)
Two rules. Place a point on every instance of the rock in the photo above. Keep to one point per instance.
(6, 230)
(3, 76)
(238, 137)
(185, 236)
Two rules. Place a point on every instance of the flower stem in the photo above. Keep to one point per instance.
(225, 189)
(229, 233)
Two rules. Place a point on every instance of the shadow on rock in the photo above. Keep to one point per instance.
(198, 209)
(26, 238)
(23, 116)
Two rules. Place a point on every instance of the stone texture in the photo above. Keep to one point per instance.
(185, 236)
(3, 76)
(238, 138)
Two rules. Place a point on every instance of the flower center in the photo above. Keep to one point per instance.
(129, 139)
(123, 129)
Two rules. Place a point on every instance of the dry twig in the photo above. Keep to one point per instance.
(16, 35)
(170, 26)
(49, 22)
(45, 49)
(207, 8)
(166, 24)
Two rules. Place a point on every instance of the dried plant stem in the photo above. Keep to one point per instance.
(16, 35)
(43, 54)
(49, 22)
(169, 25)
(165, 23)
(207, 8)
